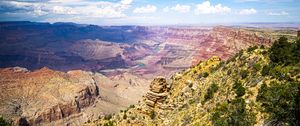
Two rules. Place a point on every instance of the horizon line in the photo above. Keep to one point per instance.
(191, 24)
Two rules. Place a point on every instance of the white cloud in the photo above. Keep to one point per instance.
(207, 8)
(87, 9)
(247, 11)
(145, 9)
(63, 10)
(29, 8)
(181, 8)
(126, 2)
(38, 12)
(281, 13)
(166, 9)
(101, 11)
(65, 1)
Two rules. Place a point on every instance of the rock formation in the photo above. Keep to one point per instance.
(157, 92)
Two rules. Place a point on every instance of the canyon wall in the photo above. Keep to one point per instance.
(44, 96)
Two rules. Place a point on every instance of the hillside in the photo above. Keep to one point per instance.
(48, 97)
(257, 86)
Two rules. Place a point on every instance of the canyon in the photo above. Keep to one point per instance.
(69, 74)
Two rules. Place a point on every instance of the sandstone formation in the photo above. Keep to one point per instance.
(157, 92)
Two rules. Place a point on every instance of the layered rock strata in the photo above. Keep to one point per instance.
(157, 92)
(44, 96)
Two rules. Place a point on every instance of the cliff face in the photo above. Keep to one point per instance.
(245, 90)
(44, 96)
(224, 42)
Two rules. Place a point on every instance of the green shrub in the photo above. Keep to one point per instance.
(264, 52)
(152, 114)
(284, 52)
(205, 74)
(107, 117)
(229, 72)
(280, 72)
(131, 106)
(239, 89)
(233, 113)
(281, 101)
(244, 74)
(132, 118)
(192, 101)
(210, 92)
(3, 122)
(232, 59)
(190, 85)
(109, 123)
(265, 70)
(285, 57)
(125, 116)
(257, 66)
(250, 49)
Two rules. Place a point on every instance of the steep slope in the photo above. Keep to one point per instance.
(255, 87)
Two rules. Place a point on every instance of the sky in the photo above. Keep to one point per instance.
(151, 12)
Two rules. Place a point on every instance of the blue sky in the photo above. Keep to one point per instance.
(151, 12)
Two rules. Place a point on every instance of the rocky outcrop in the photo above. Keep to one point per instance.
(44, 96)
(157, 93)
